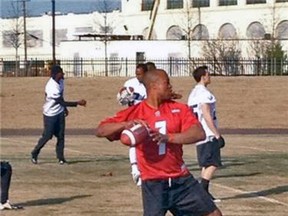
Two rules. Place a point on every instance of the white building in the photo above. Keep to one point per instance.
(198, 20)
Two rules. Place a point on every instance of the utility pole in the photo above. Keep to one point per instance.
(153, 15)
(25, 38)
(53, 32)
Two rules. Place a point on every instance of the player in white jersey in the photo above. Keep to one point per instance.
(138, 93)
(203, 103)
(139, 90)
(54, 113)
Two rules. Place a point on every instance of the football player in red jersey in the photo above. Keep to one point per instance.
(167, 184)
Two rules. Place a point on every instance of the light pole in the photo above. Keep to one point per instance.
(25, 38)
(53, 32)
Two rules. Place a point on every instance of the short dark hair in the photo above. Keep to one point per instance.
(151, 65)
(55, 69)
(143, 66)
(199, 72)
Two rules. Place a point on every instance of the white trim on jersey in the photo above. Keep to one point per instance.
(198, 96)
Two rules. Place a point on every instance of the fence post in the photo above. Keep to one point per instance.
(170, 66)
(81, 67)
(1, 67)
(126, 67)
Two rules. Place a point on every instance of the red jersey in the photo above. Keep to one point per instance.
(165, 160)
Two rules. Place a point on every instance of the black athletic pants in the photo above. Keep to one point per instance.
(53, 125)
(6, 173)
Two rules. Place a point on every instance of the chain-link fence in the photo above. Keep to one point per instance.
(175, 67)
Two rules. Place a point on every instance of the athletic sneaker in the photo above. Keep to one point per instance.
(215, 200)
(62, 162)
(8, 206)
(34, 160)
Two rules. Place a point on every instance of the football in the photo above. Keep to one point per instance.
(125, 95)
(134, 135)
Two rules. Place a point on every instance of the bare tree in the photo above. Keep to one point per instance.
(225, 54)
(266, 47)
(187, 22)
(14, 35)
(105, 24)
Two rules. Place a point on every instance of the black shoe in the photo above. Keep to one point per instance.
(215, 200)
(62, 161)
(34, 160)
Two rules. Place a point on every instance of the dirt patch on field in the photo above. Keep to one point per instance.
(242, 102)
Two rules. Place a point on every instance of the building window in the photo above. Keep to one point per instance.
(140, 57)
(174, 4)
(147, 5)
(255, 30)
(174, 33)
(61, 36)
(200, 32)
(200, 3)
(145, 34)
(255, 1)
(227, 31)
(282, 30)
(227, 2)
(35, 38)
(11, 39)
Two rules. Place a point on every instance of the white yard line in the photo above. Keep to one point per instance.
(257, 149)
(252, 193)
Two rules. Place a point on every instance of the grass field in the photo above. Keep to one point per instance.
(97, 181)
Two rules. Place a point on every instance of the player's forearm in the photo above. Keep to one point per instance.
(192, 135)
(213, 128)
(108, 129)
(209, 120)
(70, 103)
(63, 103)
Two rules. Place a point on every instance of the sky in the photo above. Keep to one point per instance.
(40, 7)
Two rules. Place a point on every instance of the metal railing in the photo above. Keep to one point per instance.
(175, 67)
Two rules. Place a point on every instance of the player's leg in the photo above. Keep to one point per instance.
(189, 198)
(6, 174)
(60, 134)
(209, 159)
(155, 197)
(49, 127)
(134, 167)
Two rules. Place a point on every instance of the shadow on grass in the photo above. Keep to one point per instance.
(226, 163)
(99, 159)
(52, 201)
(237, 175)
(253, 194)
(87, 160)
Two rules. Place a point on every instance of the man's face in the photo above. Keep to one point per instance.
(164, 87)
(60, 75)
(206, 77)
(140, 74)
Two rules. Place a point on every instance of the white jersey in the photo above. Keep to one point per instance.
(53, 90)
(139, 93)
(198, 96)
